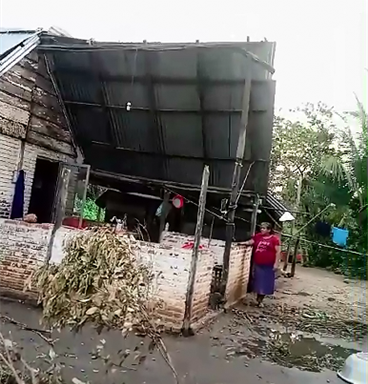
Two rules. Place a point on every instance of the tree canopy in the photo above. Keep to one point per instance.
(326, 154)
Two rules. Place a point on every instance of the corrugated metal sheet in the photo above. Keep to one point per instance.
(14, 45)
(10, 38)
(186, 108)
(276, 207)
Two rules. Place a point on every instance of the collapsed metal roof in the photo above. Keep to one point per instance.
(162, 111)
(15, 44)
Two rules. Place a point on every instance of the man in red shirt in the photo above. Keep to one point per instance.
(266, 255)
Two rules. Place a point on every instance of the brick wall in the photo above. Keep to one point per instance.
(22, 248)
(171, 274)
(216, 247)
(202, 285)
(207, 258)
(239, 268)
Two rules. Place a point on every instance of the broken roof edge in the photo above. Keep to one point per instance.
(20, 50)
(15, 54)
(78, 45)
(275, 205)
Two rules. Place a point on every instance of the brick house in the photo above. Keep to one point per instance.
(146, 118)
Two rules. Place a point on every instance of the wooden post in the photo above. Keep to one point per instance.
(88, 170)
(298, 198)
(60, 209)
(235, 185)
(187, 331)
(253, 225)
(164, 212)
(293, 262)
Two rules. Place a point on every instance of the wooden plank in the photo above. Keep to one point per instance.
(15, 90)
(15, 79)
(10, 128)
(197, 240)
(29, 64)
(50, 143)
(48, 113)
(24, 73)
(47, 128)
(14, 101)
(45, 84)
(13, 113)
(45, 99)
(42, 69)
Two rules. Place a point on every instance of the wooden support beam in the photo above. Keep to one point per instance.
(164, 212)
(83, 76)
(294, 260)
(235, 184)
(60, 205)
(187, 331)
(86, 183)
(254, 215)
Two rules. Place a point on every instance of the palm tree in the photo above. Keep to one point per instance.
(350, 166)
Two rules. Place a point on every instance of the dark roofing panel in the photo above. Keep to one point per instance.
(184, 113)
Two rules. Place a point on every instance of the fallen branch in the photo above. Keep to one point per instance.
(38, 332)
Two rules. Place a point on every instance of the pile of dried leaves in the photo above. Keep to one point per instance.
(99, 281)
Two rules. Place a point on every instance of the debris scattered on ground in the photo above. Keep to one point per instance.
(293, 345)
(310, 320)
(15, 370)
(40, 332)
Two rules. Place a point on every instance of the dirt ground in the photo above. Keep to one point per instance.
(325, 291)
(301, 336)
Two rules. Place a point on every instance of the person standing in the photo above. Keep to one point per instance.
(266, 256)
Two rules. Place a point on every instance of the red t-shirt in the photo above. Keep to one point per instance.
(265, 249)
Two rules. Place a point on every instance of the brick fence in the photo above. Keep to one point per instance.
(239, 269)
(23, 247)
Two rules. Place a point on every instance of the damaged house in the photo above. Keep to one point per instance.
(145, 119)
(34, 135)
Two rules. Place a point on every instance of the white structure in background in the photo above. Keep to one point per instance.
(287, 216)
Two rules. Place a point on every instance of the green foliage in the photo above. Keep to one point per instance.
(91, 211)
(318, 148)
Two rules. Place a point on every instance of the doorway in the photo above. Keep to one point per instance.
(44, 189)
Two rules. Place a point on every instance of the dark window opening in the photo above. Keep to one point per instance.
(43, 190)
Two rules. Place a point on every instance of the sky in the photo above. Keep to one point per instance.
(321, 52)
